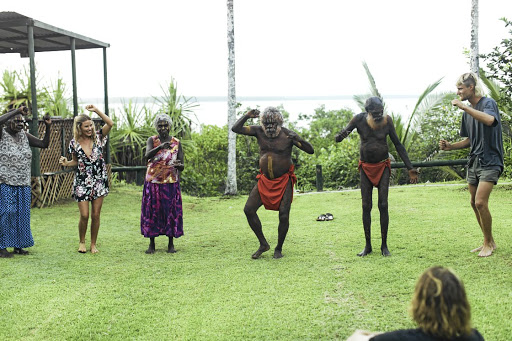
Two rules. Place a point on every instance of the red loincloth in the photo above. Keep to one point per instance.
(272, 191)
(374, 170)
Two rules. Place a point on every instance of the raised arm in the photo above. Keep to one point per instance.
(298, 141)
(108, 121)
(239, 127)
(13, 112)
(485, 118)
(10, 114)
(45, 142)
(347, 130)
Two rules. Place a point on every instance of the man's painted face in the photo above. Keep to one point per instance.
(377, 114)
(271, 126)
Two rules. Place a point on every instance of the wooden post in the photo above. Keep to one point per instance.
(105, 90)
(319, 179)
(73, 73)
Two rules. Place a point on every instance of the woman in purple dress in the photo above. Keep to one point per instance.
(91, 179)
(162, 211)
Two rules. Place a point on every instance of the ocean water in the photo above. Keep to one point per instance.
(214, 110)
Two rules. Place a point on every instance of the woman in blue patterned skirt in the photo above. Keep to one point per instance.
(91, 179)
(15, 194)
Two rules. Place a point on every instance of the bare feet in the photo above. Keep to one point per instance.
(81, 248)
(367, 250)
(263, 248)
(94, 249)
(493, 244)
(477, 249)
(171, 249)
(487, 250)
(384, 251)
(277, 254)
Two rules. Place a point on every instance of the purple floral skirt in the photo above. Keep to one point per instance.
(161, 211)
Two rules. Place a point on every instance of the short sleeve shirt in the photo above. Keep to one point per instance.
(486, 142)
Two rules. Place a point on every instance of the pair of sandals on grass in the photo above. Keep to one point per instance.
(324, 217)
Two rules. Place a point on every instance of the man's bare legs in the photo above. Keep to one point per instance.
(383, 209)
(366, 196)
(251, 206)
(480, 203)
(284, 219)
(95, 222)
(83, 207)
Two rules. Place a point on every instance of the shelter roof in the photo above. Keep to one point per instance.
(14, 36)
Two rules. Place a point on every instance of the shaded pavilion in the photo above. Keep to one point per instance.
(26, 36)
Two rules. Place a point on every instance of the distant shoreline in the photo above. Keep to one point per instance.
(242, 98)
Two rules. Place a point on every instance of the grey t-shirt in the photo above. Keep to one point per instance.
(486, 141)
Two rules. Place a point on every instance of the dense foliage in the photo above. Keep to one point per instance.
(499, 64)
(205, 149)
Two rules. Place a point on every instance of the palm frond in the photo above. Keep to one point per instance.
(425, 93)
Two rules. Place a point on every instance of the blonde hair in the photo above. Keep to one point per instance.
(77, 124)
(439, 305)
(470, 78)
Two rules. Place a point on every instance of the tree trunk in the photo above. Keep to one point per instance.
(474, 37)
(231, 187)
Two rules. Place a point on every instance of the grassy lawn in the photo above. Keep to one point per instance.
(212, 290)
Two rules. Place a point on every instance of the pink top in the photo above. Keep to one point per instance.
(161, 168)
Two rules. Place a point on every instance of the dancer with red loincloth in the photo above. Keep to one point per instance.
(274, 189)
(374, 164)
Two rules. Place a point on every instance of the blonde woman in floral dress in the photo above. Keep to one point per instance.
(91, 179)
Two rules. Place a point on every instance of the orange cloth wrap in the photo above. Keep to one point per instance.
(272, 190)
(374, 170)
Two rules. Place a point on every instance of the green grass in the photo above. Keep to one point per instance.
(212, 290)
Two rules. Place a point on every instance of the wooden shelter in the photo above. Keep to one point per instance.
(26, 36)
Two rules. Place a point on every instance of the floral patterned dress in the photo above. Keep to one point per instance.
(161, 209)
(91, 178)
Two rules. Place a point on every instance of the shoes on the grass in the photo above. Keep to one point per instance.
(324, 217)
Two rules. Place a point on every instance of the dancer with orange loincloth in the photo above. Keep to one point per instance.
(274, 189)
(374, 164)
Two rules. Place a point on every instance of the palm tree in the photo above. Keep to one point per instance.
(474, 37)
(130, 134)
(426, 102)
(179, 108)
(16, 90)
(55, 100)
(231, 186)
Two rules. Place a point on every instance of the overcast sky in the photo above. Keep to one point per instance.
(283, 47)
